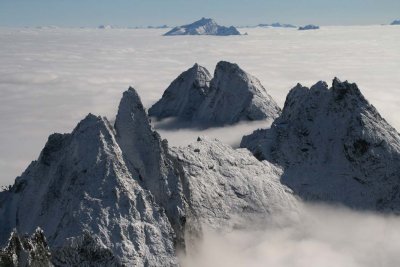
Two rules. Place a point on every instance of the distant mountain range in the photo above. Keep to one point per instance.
(277, 25)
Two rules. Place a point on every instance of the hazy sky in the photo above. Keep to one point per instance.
(176, 12)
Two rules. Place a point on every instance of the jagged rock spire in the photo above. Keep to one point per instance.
(147, 155)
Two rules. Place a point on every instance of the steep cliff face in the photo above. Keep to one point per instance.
(184, 96)
(333, 146)
(231, 96)
(80, 186)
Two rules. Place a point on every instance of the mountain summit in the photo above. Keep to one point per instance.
(232, 95)
(204, 26)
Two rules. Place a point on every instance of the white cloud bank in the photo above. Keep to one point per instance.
(51, 78)
(322, 236)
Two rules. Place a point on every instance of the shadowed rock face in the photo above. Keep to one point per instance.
(184, 96)
(203, 26)
(231, 96)
(334, 146)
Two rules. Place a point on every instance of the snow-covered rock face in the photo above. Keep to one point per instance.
(231, 96)
(333, 146)
(184, 96)
(234, 96)
(228, 187)
(309, 27)
(203, 26)
(80, 186)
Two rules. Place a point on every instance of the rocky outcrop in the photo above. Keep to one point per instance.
(203, 26)
(333, 146)
(231, 96)
(184, 96)
(26, 251)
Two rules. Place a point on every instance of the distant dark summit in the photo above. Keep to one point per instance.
(396, 22)
(309, 27)
(231, 96)
(203, 26)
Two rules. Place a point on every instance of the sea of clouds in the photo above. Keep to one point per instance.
(51, 78)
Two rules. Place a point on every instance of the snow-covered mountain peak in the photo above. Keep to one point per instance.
(81, 184)
(204, 26)
(232, 95)
(333, 140)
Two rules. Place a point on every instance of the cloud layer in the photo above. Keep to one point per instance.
(51, 78)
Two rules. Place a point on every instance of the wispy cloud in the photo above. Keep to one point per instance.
(321, 236)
